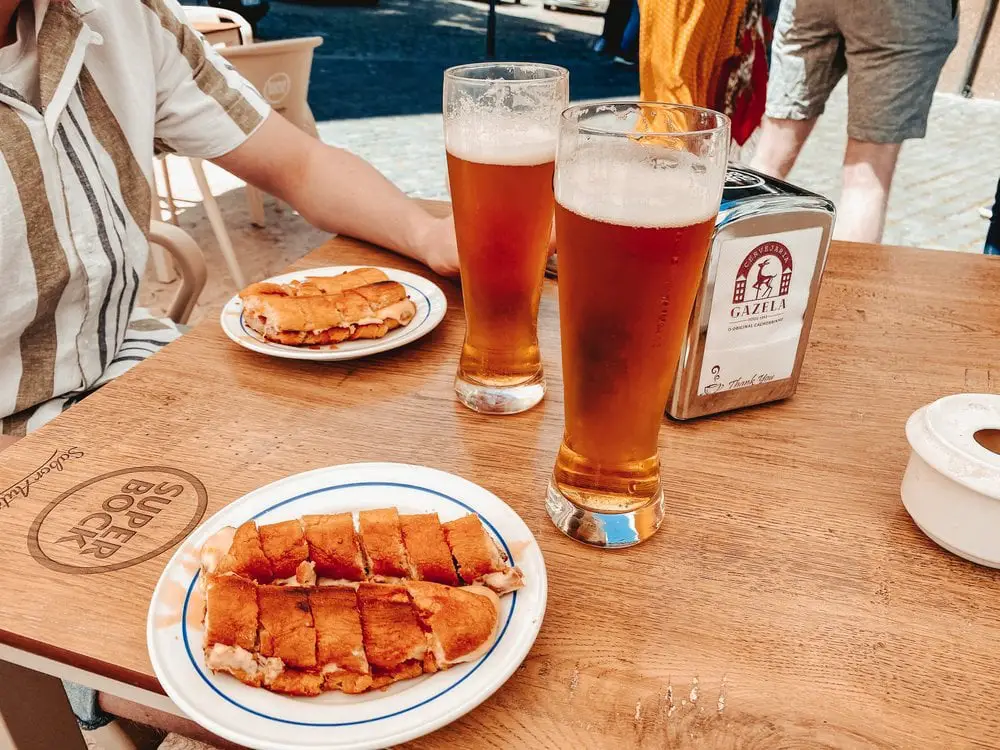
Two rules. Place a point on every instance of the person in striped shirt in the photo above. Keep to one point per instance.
(89, 91)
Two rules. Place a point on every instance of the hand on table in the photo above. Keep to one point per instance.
(440, 251)
(437, 247)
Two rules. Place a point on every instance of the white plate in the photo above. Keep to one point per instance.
(426, 295)
(267, 721)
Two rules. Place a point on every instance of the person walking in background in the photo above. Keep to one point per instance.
(709, 53)
(630, 37)
(892, 52)
(615, 20)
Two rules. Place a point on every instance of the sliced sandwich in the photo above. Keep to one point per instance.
(245, 556)
(479, 558)
(340, 648)
(285, 547)
(382, 544)
(461, 623)
(231, 628)
(387, 548)
(426, 549)
(333, 548)
(302, 641)
(395, 643)
(287, 635)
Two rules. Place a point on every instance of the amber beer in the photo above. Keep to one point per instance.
(637, 189)
(501, 123)
(503, 220)
(625, 295)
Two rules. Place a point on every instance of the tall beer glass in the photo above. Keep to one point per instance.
(637, 190)
(501, 125)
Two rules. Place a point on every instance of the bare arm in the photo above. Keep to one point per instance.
(340, 192)
(7, 440)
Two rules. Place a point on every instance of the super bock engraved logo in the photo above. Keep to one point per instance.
(117, 520)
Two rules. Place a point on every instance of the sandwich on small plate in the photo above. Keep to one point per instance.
(321, 310)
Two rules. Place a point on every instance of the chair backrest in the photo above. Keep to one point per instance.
(280, 72)
(205, 14)
(190, 262)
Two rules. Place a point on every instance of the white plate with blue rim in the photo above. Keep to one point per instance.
(427, 296)
(260, 719)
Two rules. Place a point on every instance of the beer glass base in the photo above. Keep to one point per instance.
(603, 529)
(500, 399)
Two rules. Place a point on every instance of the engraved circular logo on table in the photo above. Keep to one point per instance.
(117, 520)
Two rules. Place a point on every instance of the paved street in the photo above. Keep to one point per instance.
(376, 89)
(388, 60)
(941, 181)
(381, 99)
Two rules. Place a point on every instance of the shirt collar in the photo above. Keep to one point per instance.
(82, 7)
(63, 37)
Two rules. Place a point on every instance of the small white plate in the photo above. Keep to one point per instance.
(260, 719)
(426, 295)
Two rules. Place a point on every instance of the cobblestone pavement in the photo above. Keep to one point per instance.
(376, 89)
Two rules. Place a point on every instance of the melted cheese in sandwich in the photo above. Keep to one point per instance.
(402, 312)
(230, 659)
(504, 581)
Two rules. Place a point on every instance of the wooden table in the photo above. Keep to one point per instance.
(219, 32)
(788, 600)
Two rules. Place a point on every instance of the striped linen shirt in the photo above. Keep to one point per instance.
(115, 79)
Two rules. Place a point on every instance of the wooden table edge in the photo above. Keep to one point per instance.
(80, 662)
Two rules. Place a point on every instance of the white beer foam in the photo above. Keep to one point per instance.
(497, 141)
(637, 185)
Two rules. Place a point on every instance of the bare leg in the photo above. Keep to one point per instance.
(779, 145)
(868, 169)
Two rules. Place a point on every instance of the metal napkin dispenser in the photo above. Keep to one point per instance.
(750, 325)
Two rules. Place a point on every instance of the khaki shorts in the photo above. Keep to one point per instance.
(891, 50)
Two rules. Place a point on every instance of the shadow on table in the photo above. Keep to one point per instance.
(388, 60)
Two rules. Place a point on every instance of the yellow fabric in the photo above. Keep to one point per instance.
(683, 45)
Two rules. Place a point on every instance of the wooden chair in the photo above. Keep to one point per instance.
(190, 263)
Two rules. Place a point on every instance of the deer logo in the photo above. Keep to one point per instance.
(763, 281)
(768, 256)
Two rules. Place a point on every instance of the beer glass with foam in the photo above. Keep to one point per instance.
(501, 124)
(637, 189)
